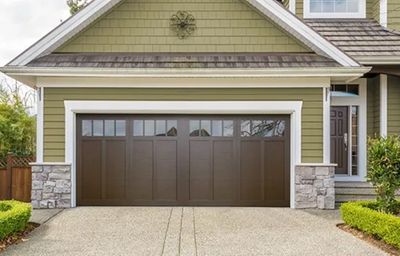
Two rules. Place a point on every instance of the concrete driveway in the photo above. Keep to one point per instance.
(191, 231)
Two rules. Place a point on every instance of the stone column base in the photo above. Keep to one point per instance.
(51, 186)
(315, 186)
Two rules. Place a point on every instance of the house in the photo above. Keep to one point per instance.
(224, 103)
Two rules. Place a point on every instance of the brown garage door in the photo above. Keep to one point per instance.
(183, 160)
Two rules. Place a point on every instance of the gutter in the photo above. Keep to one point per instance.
(15, 71)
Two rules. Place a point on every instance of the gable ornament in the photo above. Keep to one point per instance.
(183, 24)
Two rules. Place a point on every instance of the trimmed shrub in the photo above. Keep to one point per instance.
(364, 216)
(14, 217)
(384, 170)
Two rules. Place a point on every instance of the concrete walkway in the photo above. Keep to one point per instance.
(191, 231)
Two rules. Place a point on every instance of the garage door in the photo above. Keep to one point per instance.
(183, 160)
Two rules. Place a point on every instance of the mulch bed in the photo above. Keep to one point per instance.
(18, 237)
(391, 250)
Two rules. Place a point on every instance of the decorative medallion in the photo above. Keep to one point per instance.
(183, 23)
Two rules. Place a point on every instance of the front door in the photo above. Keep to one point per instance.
(339, 138)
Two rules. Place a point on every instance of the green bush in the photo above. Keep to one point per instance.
(384, 170)
(364, 216)
(14, 217)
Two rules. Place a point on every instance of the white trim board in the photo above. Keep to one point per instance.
(383, 92)
(39, 124)
(292, 108)
(383, 13)
(272, 9)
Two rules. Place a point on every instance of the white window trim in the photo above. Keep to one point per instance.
(326, 15)
(293, 108)
(361, 102)
(383, 13)
(292, 6)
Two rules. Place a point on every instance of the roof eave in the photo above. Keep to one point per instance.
(379, 60)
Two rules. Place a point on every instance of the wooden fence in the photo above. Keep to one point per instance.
(15, 178)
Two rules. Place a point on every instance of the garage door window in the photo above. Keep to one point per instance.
(263, 128)
(100, 128)
(215, 128)
(151, 128)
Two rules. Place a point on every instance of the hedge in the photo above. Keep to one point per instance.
(362, 216)
(14, 217)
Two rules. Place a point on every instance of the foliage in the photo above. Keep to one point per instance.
(76, 5)
(14, 217)
(384, 170)
(364, 216)
(17, 126)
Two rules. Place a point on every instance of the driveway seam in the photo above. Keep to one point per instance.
(166, 232)
(194, 231)
(180, 233)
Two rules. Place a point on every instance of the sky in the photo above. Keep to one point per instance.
(22, 23)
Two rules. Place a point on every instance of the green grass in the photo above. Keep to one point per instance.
(14, 217)
(363, 216)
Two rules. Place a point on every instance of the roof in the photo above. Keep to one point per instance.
(129, 60)
(271, 9)
(359, 38)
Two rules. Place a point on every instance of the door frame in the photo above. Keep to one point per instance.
(292, 108)
(360, 101)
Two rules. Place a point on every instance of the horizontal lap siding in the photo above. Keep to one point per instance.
(394, 14)
(222, 26)
(299, 8)
(373, 107)
(393, 105)
(54, 141)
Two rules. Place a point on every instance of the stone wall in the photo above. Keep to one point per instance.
(51, 186)
(315, 186)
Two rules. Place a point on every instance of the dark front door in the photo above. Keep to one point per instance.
(339, 138)
(183, 160)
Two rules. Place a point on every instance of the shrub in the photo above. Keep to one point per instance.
(14, 217)
(384, 170)
(363, 216)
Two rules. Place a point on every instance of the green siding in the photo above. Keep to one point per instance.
(373, 9)
(373, 107)
(299, 8)
(394, 14)
(312, 134)
(222, 26)
(393, 105)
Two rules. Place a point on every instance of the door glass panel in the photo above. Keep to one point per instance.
(354, 140)
(228, 128)
(245, 129)
(160, 128)
(172, 128)
(205, 128)
(120, 127)
(149, 128)
(138, 128)
(86, 127)
(217, 128)
(98, 128)
(109, 128)
(194, 128)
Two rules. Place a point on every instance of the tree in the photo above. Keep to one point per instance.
(76, 5)
(17, 125)
(384, 171)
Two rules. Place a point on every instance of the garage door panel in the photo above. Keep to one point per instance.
(141, 174)
(166, 170)
(200, 170)
(224, 171)
(275, 180)
(222, 160)
(250, 171)
(91, 155)
(115, 171)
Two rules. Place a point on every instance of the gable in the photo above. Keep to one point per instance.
(222, 26)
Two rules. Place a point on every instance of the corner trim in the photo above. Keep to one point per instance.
(383, 13)
(39, 125)
(383, 104)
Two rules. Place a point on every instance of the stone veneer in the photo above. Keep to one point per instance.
(51, 186)
(315, 186)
